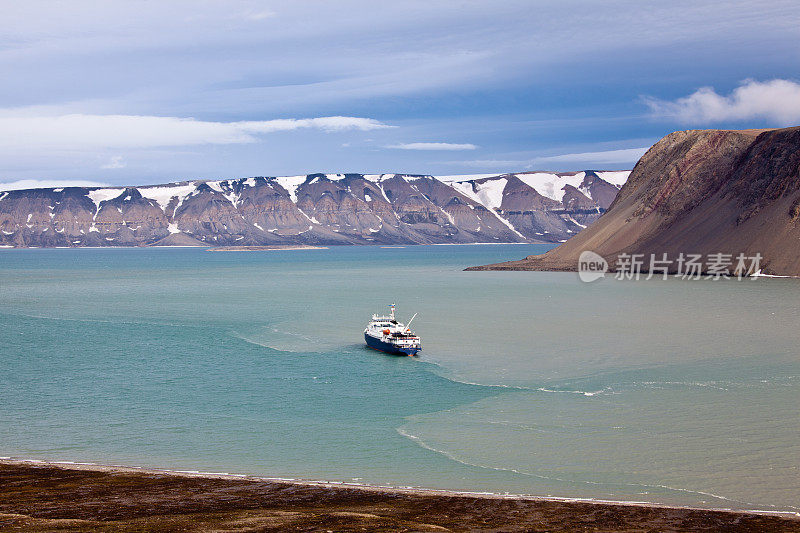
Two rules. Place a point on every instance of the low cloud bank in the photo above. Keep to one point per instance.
(777, 101)
(47, 184)
(77, 131)
(432, 146)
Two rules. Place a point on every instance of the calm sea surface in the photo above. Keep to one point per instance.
(680, 392)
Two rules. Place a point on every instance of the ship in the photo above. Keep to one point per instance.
(386, 334)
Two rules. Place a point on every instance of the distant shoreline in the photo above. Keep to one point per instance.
(267, 247)
(43, 493)
(263, 248)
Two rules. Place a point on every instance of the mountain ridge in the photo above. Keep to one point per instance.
(311, 209)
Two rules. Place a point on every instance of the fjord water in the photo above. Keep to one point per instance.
(677, 392)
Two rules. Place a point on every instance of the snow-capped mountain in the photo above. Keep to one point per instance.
(313, 209)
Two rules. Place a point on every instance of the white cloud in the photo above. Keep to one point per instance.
(432, 146)
(46, 184)
(76, 131)
(257, 14)
(627, 155)
(491, 163)
(115, 162)
(777, 101)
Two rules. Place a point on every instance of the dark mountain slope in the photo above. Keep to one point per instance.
(700, 192)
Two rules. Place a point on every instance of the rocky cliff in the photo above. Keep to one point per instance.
(700, 192)
(312, 209)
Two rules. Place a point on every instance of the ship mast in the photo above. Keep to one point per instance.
(392, 308)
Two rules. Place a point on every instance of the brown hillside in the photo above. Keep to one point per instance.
(700, 192)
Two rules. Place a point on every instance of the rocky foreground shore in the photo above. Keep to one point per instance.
(50, 497)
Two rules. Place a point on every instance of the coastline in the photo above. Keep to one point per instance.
(265, 248)
(351, 505)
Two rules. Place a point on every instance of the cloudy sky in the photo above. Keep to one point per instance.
(153, 91)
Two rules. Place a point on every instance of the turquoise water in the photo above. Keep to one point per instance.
(679, 392)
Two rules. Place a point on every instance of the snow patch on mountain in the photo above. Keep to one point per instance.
(615, 177)
(465, 188)
(291, 183)
(101, 195)
(163, 194)
(490, 192)
(377, 178)
(465, 177)
(550, 184)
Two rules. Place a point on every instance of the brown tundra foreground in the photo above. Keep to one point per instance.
(49, 497)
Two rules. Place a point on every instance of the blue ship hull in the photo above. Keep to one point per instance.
(385, 347)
